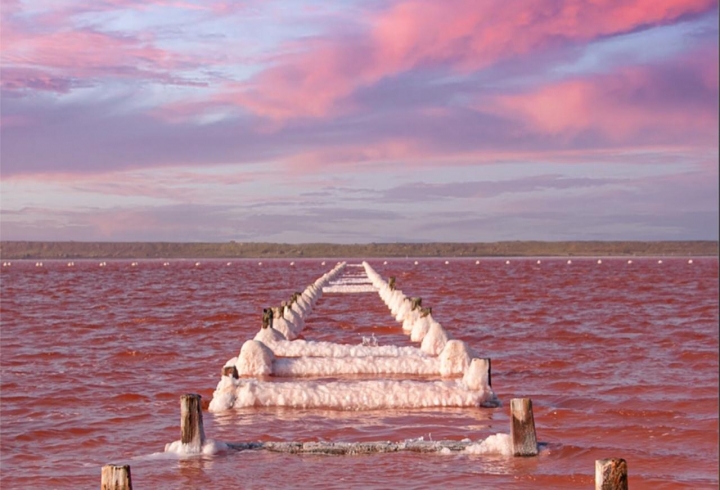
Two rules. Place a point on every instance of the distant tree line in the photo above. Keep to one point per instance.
(170, 250)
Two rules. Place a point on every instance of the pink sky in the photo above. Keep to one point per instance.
(356, 121)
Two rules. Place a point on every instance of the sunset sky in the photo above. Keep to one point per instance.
(356, 121)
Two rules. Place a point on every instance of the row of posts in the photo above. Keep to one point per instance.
(610, 474)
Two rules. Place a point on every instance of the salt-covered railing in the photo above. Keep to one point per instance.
(521, 441)
(270, 353)
(417, 322)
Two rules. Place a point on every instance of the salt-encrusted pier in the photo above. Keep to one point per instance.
(275, 351)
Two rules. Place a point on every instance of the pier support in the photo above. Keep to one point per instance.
(191, 422)
(115, 477)
(522, 428)
(611, 474)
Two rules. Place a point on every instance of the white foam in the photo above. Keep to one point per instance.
(210, 448)
(495, 444)
(357, 395)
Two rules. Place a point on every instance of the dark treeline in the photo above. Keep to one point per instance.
(169, 250)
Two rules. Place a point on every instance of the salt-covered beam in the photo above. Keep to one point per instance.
(313, 348)
(257, 359)
(353, 448)
(352, 395)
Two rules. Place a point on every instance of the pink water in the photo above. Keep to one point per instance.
(620, 360)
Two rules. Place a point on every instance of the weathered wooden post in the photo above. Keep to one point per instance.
(230, 371)
(489, 371)
(391, 283)
(611, 474)
(115, 477)
(191, 422)
(415, 303)
(522, 428)
(267, 317)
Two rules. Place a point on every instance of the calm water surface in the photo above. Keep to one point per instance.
(620, 360)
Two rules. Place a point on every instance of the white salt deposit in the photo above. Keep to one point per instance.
(255, 359)
(358, 395)
(421, 327)
(434, 341)
(322, 366)
(349, 288)
(495, 444)
(283, 326)
(269, 336)
(208, 449)
(476, 375)
(312, 348)
(455, 358)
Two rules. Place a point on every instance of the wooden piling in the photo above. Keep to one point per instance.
(115, 477)
(611, 474)
(267, 317)
(391, 283)
(191, 422)
(522, 427)
(489, 371)
(415, 303)
(230, 371)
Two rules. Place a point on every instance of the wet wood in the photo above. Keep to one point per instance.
(267, 317)
(489, 371)
(522, 427)
(191, 422)
(611, 474)
(230, 371)
(115, 477)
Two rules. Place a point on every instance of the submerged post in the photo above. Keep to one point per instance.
(191, 422)
(115, 477)
(522, 427)
(611, 474)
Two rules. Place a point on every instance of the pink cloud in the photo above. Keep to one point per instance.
(621, 105)
(463, 35)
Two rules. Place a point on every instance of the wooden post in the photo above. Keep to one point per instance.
(267, 317)
(415, 303)
(230, 371)
(611, 474)
(391, 283)
(115, 477)
(522, 427)
(489, 365)
(191, 422)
